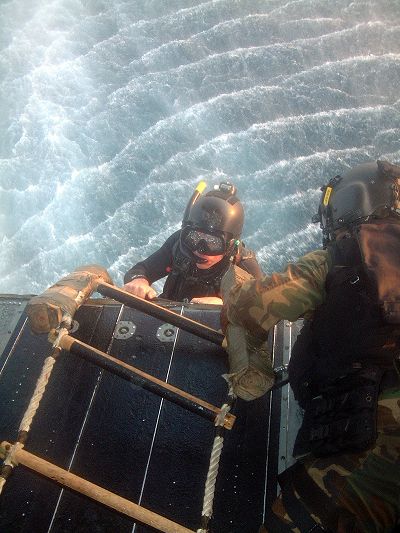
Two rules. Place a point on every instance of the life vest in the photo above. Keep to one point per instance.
(340, 358)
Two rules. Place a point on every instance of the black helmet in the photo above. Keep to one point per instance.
(212, 222)
(370, 190)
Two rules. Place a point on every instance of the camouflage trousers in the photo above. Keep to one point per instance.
(354, 493)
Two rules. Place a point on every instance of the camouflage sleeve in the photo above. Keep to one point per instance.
(258, 305)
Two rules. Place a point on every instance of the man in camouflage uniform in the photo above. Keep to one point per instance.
(343, 366)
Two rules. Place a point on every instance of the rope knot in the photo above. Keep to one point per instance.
(56, 336)
(220, 418)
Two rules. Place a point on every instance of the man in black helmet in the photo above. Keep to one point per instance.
(195, 258)
(344, 368)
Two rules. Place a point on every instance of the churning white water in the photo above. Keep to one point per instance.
(111, 111)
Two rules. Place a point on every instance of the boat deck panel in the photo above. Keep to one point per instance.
(130, 441)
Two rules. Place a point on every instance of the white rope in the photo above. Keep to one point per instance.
(209, 490)
(41, 385)
(37, 394)
(33, 404)
(220, 418)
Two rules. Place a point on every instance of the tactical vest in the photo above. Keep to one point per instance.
(340, 357)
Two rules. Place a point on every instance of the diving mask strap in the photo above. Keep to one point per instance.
(236, 251)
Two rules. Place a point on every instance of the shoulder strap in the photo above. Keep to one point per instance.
(346, 264)
(294, 506)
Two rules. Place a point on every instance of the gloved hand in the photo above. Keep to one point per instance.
(250, 367)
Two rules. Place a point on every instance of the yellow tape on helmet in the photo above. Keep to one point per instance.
(201, 187)
(327, 195)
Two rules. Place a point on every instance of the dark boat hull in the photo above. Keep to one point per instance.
(128, 440)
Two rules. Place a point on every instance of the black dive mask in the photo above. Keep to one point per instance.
(197, 240)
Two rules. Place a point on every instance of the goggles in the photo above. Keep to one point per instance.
(204, 243)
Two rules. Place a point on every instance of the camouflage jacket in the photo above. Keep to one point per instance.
(258, 305)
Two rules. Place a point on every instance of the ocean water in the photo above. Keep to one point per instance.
(112, 111)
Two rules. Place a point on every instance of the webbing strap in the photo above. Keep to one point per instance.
(294, 507)
(273, 524)
(314, 498)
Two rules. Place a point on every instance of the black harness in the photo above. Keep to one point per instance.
(342, 360)
(336, 375)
